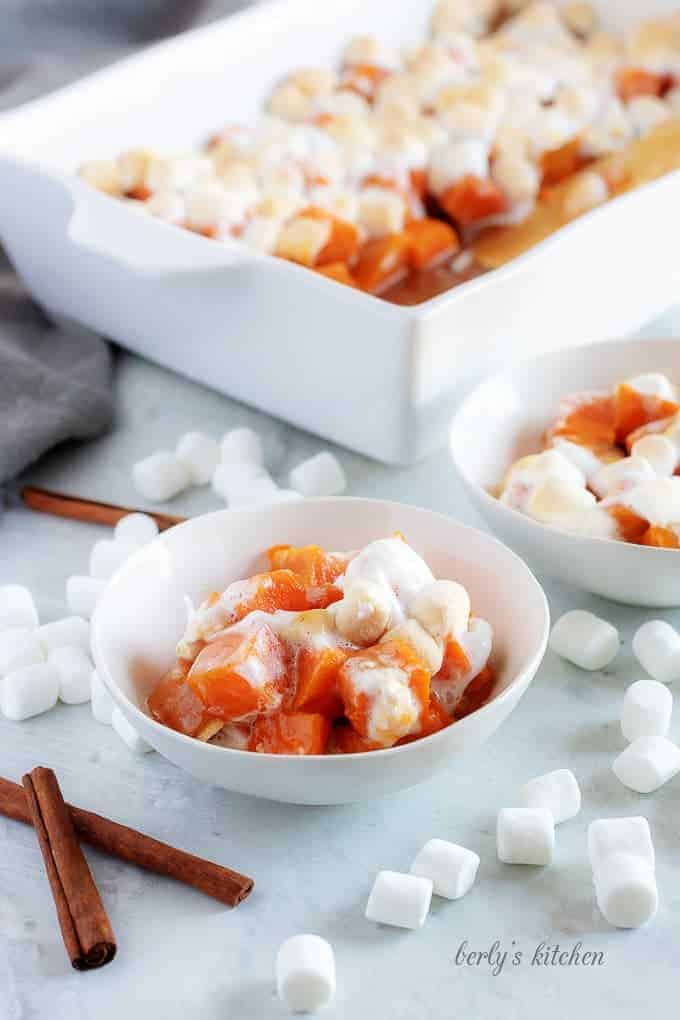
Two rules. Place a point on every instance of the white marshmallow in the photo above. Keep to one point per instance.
(625, 890)
(321, 475)
(73, 668)
(29, 691)
(160, 476)
(71, 630)
(656, 646)
(102, 702)
(17, 608)
(285, 496)
(305, 973)
(556, 791)
(556, 496)
(400, 900)
(609, 836)
(363, 615)
(242, 445)
(621, 475)
(201, 454)
(647, 708)
(525, 836)
(82, 593)
(19, 647)
(658, 451)
(451, 868)
(647, 764)
(454, 160)
(136, 529)
(106, 556)
(584, 639)
(128, 734)
(442, 608)
(258, 492)
(231, 477)
(653, 384)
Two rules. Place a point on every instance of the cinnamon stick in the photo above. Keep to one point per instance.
(83, 920)
(88, 510)
(220, 883)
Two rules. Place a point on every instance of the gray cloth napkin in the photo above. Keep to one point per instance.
(55, 384)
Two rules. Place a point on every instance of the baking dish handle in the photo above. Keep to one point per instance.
(106, 226)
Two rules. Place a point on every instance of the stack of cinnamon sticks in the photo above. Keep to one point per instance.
(82, 916)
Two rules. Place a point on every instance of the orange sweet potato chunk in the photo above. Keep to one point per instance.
(316, 681)
(631, 528)
(339, 272)
(343, 243)
(633, 410)
(661, 538)
(455, 663)
(175, 704)
(279, 589)
(311, 563)
(382, 261)
(472, 199)
(591, 423)
(558, 164)
(430, 240)
(221, 674)
(345, 740)
(434, 718)
(391, 654)
(290, 733)
(477, 692)
(636, 81)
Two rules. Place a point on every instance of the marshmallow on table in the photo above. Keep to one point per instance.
(201, 454)
(161, 476)
(28, 691)
(128, 733)
(584, 639)
(73, 669)
(647, 764)
(321, 475)
(242, 445)
(656, 646)
(305, 973)
(102, 702)
(19, 647)
(17, 608)
(257, 492)
(400, 900)
(647, 708)
(621, 856)
(82, 593)
(232, 477)
(556, 791)
(451, 868)
(106, 556)
(525, 836)
(71, 630)
(135, 529)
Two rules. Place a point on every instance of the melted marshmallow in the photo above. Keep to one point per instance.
(396, 567)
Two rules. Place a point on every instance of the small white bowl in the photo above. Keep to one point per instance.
(142, 613)
(505, 417)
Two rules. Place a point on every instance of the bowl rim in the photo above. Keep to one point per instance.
(538, 528)
(529, 667)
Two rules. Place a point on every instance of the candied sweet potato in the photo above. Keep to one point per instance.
(343, 243)
(434, 718)
(382, 261)
(472, 199)
(558, 164)
(430, 240)
(344, 739)
(637, 81)
(290, 733)
(455, 663)
(591, 423)
(660, 537)
(316, 681)
(237, 675)
(634, 410)
(339, 272)
(277, 589)
(175, 704)
(311, 563)
(631, 528)
(477, 692)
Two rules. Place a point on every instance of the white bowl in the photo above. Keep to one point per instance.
(505, 417)
(142, 613)
(244, 324)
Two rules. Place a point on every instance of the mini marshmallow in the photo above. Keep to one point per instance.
(525, 836)
(82, 593)
(73, 669)
(621, 475)
(28, 691)
(160, 476)
(106, 556)
(242, 445)
(259, 492)
(647, 764)
(135, 529)
(19, 647)
(647, 708)
(17, 608)
(658, 451)
(128, 734)
(285, 496)
(653, 384)
(71, 630)
(557, 792)
(102, 702)
(321, 475)
(451, 868)
(201, 454)
(656, 646)
(585, 639)
(305, 973)
(400, 900)
(625, 890)
(442, 608)
(231, 478)
(609, 836)
(363, 615)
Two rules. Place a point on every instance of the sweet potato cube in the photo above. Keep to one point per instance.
(175, 704)
(636, 81)
(477, 692)
(290, 733)
(662, 538)
(339, 272)
(316, 681)
(631, 528)
(236, 675)
(472, 199)
(558, 164)
(430, 240)
(633, 410)
(382, 261)
(343, 241)
(310, 562)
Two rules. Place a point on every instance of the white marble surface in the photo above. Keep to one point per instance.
(181, 955)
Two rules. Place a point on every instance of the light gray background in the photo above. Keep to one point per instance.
(181, 955)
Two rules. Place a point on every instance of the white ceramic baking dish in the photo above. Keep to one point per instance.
(377, 378)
